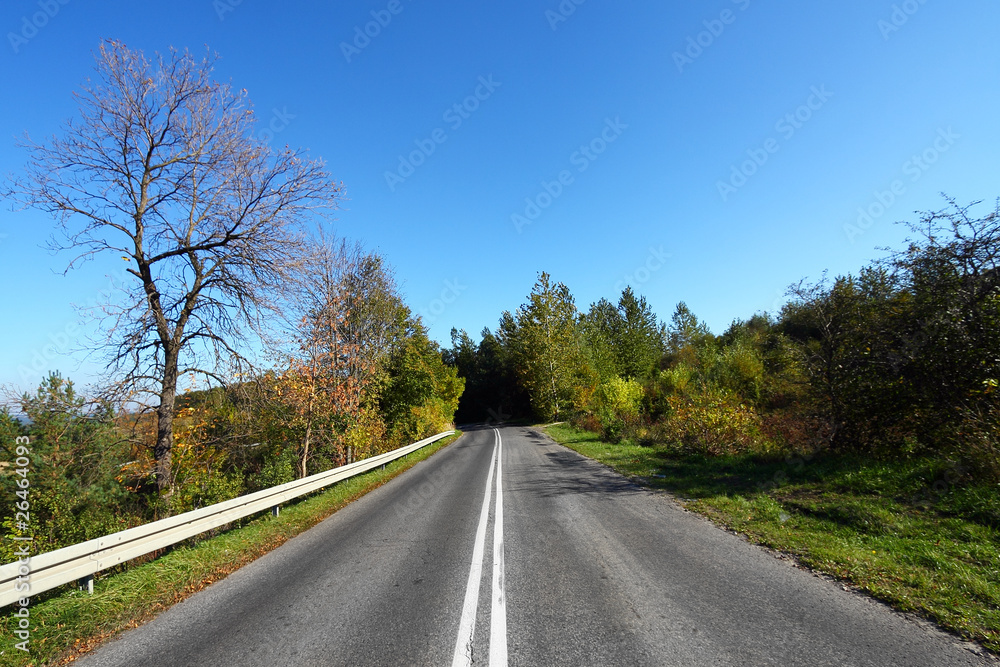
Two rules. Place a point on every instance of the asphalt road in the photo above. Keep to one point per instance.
(563, 563)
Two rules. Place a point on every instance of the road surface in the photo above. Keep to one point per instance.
(562, 563)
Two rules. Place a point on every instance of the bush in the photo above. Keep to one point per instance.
(587, 421)
(676, 380)
(279, 468)
(427, 419)
(200, 474)
(797, 433)
(367, 435)
(740, 369)
(976, 441)
(617, 404)
(713, 422)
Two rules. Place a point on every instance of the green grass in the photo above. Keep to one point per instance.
(67, 625)
(914, 533)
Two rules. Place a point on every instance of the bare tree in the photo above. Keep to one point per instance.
(163, 169)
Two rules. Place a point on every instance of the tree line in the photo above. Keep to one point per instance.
(901, 358)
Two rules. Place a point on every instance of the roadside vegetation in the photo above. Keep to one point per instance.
(93, 470)
(858, 428)
(69, 622)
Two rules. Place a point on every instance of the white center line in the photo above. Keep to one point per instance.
(498, 617)
(467, 626)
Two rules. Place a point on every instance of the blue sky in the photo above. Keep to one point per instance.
(708, 152)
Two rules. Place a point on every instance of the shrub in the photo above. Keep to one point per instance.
(588, 422)
(798, 433)
(740, 369)
(713, 422)
(432, 416)
(200, 475)
(367, 435)
(617, 404)
(676, 380)
(278, 468)
(976, 440)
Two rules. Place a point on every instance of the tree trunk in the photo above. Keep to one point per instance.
(308, 437)
(305, 452)
(165, 425)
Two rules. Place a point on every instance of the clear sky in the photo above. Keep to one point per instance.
(710, 152)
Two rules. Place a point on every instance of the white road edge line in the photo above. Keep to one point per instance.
(498, 617)
(467, 626)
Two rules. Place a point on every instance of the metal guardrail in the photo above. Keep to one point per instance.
(45, 571)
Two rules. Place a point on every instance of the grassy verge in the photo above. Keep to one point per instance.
(64, 627)
(913, 533)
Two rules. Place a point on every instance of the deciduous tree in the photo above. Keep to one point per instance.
(163, 169)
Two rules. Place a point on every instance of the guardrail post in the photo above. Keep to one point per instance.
(87, 583)
(276, 510)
